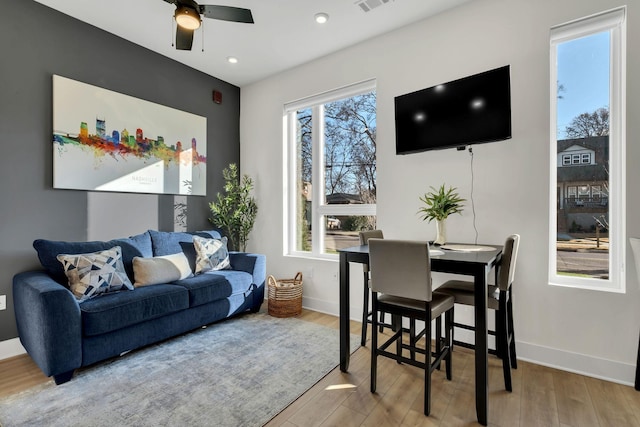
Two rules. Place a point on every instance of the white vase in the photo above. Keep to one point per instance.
(441, 232)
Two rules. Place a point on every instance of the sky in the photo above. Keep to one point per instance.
(583, 70)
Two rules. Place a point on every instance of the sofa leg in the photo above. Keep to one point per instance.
(63, 378)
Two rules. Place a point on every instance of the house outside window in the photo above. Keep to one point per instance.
(331, 170)
(587, 237)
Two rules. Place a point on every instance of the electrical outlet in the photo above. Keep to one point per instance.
(3, 302)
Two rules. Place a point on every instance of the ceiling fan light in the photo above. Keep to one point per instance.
(187, 18)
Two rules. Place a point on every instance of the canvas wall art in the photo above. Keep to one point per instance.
(108, 141)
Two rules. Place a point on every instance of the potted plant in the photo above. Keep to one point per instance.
(439, 204)
(235, 211)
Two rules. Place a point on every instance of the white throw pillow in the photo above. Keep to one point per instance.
(160, 269)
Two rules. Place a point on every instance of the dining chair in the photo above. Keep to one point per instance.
(635, 248)
(401, 285)
(366, 314)
(500, 299)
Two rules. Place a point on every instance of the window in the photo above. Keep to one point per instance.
(587, 228)
(331, 170)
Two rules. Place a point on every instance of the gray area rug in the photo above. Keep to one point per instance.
(240, 372)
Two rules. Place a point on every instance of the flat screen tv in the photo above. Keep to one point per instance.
(471, 110)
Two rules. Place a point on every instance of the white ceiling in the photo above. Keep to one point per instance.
(284, 34)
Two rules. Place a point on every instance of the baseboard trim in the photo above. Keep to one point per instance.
(325, 307)
(604, 369)
(11, 348)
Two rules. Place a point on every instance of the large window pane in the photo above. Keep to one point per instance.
(587, 247)
(583, 132)
(333, 143)
(304, 186)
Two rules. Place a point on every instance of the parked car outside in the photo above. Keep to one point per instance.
(333, 223)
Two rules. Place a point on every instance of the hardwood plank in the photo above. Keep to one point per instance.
(19, 373)
(611, 406)
(538, 407)
(574, 402)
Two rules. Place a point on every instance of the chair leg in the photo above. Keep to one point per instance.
(374, 344)
(438, 337)
(381, 321)
(502, 340)
(412, 338)
(365, 309)
(448, 337)
(427, 360)
(399, 340)
(512, 334)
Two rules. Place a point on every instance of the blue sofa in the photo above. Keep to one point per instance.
(62, 334)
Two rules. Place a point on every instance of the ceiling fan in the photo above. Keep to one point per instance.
(188, 17)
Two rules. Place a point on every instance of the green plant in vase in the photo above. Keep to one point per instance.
(439, 204)
(235, 211)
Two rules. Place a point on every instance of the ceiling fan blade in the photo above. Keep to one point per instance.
(184, 38)
(227, 13)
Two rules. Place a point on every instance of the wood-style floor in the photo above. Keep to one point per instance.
(541, 396)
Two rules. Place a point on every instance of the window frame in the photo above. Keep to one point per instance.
(614, 21)
(319, 210)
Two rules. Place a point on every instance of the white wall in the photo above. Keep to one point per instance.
(140, 214)
(585, 331)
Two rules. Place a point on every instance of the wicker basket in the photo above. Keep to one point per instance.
(285, 296)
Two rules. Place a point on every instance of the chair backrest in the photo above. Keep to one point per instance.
(364, 239)
(635, 248)
(508, 264)
(366, 235)
(400, 268)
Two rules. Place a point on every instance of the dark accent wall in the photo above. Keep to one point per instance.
(37, 42)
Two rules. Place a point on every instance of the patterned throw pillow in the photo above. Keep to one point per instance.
(160, 269)
(212, 254)
(95, 273)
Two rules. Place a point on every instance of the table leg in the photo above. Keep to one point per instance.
(344, 312)
(481, 352)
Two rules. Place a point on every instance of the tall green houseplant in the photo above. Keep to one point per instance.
(235, 210)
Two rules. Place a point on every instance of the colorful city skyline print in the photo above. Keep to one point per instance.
(107, 141)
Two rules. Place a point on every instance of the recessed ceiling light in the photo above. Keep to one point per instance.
(321, 18)
(232, 60)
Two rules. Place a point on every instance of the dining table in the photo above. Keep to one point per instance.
(472, 260)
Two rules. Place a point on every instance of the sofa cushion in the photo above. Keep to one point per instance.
(161, 269)
(212, 254)
(215, 285)
(116, 311)
(95, 273)
(48, 250)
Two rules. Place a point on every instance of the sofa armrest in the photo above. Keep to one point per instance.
(254, 264)
(49, 322)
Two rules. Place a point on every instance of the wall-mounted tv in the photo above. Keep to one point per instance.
(470, 110)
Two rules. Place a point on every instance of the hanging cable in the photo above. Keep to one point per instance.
(172, 37)
(473, 206)
(202, 30)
